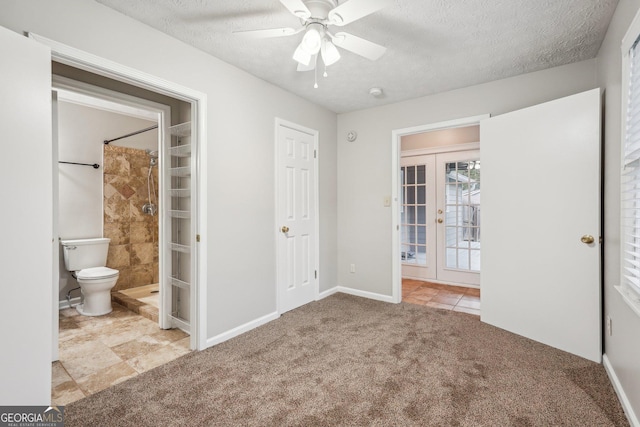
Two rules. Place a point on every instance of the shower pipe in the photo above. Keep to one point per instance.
(95, 165)
(107, 141)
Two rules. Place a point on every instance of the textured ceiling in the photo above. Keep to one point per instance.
(432, 45)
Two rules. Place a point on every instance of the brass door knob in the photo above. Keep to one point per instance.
(439, 220)
(285, 229)
(587, 238)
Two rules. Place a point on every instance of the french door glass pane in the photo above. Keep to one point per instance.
(411, 194)
(420, 174)
(411, 174)
(462, 218)
(421, 192)
(422, 215)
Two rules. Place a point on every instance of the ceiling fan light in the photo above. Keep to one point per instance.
(311, 41)
(329, 52)
(302, 56)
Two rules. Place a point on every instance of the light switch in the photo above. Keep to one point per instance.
(387, 201)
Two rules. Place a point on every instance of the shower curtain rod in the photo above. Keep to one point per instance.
(95, 165)
(107, 141)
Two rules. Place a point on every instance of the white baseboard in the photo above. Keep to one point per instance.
(65, 304)
(365, 294)
(327, 293)
(626, 405)
(241, 329)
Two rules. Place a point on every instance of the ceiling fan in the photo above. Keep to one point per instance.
(316, 17)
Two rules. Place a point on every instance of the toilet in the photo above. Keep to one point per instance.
(86, 259)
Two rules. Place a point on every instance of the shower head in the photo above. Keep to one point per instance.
(153, 157)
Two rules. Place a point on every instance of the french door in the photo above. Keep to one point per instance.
(440, 217)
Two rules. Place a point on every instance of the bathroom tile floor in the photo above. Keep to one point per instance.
(98, 352)
(456, 298)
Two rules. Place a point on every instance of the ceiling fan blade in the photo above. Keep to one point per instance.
(359, 46)
(353, 10)
(297, 7)
(311, 66)
(268, 33)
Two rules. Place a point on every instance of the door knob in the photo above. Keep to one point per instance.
(439, 220)
(285, 229)
(587, 238)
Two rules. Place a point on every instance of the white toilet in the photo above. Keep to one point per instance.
(86, 259)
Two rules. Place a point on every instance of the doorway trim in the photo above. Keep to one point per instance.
(88, 62)
(316, 136)
(396, 135)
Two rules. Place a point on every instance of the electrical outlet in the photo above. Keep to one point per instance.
(609, 326)
(352, 268)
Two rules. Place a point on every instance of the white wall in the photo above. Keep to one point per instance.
(364, 166)
(81, 132)
(623, 347)
(241, 121)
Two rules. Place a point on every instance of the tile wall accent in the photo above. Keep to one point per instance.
(134, 235)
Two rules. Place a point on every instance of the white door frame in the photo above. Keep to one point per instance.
(396, 135)
(316, 281)
(85, 61)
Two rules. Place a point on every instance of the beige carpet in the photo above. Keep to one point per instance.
(351, 361)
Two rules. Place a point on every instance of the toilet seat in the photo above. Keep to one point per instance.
(96, 273)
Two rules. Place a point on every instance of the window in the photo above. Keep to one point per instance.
(630, 179)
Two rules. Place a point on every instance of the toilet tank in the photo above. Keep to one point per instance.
(85, 253)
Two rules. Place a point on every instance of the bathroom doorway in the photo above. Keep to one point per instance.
(115, 158)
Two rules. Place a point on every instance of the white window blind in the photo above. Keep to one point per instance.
(631, 177)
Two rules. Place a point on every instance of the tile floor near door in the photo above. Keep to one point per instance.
(456, 298)
(98, 352)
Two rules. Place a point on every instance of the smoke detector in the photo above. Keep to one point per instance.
(375, 92)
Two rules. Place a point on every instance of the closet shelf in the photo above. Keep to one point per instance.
(179, 214)
(179, 283)
(183, 129)
(176, 247)
(180, 151)
(180, 192)
(180, 171)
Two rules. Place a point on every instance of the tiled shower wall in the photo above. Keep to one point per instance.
(134, 235)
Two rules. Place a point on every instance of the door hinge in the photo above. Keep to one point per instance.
(315, 154)
(316, 274)
(198, 238)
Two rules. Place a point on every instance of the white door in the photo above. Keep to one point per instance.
(440, 217)
(541, 179)
(418, 217)
(26, 220)
(296, 218)
(458, 217)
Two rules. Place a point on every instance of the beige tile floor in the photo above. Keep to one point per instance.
(98, 352)
(456, 298)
